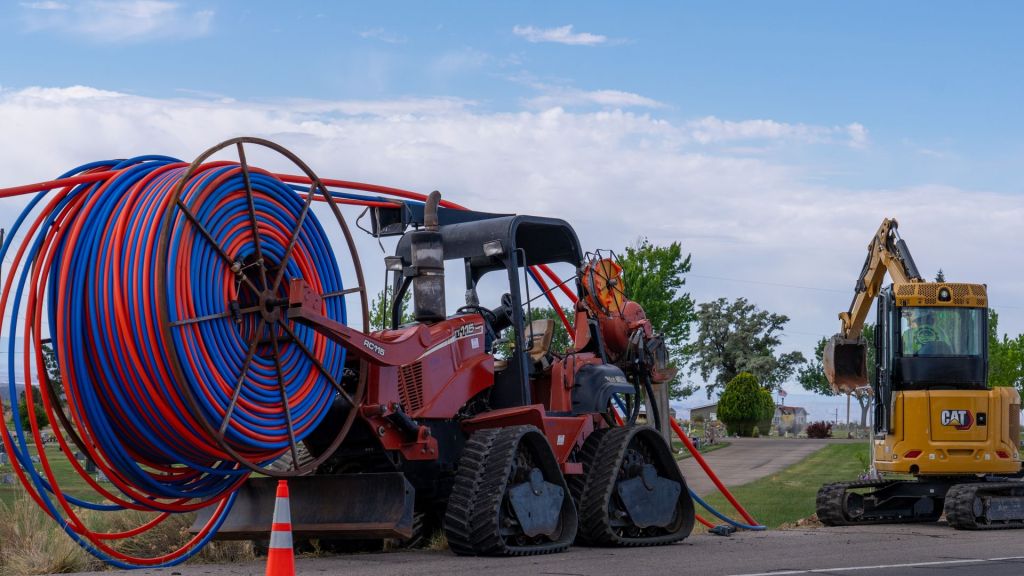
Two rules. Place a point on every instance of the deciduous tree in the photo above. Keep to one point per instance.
(1005, 356)
(734, 337)
(655, 277)
(380, 309)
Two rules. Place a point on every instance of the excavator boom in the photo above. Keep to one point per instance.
(845, 355)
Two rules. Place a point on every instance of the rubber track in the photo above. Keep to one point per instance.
(481, 485)
(463, 497)
(959, 506)
(600, 484)
(831, 497)
(578, 482)
(487, 539)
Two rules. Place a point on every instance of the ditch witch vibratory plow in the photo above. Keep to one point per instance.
(522, 454)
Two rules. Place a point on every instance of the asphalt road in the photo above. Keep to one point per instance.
(864, 551)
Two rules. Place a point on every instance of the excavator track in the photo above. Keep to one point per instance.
(883, 502)
(831, 503)
(985, 506)
(509, 498)
(615, 510)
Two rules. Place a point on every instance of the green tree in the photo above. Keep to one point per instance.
(37, 405)
(940, 276)
(734, 337)
(380, 309)
(1005, 356)
(812, 374)
(655, 277)
(744, 404)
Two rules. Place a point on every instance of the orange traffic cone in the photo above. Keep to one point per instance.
(281, 555)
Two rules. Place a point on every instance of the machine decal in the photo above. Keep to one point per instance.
(464, 331)
(375, 348)
(959, 419)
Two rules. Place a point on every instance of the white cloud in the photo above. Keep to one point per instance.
(383, 35)
(559, 35)
(119, 20)
(405, 107)
(560, 96)
(712, 130)
(858, 135)
(614, 174)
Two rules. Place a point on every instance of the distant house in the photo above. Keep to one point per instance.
(789, 419)
(706, 413)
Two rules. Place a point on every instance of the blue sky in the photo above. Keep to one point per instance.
(769, 137)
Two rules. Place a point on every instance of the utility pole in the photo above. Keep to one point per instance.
(848, 431)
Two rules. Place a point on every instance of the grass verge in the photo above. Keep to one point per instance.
(789, 494)
(32, 543)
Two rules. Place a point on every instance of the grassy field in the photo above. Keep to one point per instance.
(789, 495)
(67, 478)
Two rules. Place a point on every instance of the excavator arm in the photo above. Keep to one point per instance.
(845, 355)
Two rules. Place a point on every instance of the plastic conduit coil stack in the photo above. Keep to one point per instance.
(157, 283)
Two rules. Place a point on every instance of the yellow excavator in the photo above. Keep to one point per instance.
(943, 441)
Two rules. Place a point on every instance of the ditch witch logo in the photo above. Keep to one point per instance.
(959, 419)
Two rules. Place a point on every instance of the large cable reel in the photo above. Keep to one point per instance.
(255, 233)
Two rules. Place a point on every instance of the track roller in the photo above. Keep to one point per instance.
(985, 506)
(881, 502)
(509, 497)
(634, 493)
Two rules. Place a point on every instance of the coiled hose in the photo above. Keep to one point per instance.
(88, 265)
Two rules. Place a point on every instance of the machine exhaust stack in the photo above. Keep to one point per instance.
(427, 255)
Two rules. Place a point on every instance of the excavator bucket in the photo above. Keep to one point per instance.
(846, 363)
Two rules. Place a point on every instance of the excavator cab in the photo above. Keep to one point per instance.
(931, 338)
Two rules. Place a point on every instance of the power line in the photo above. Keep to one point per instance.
(764, 283)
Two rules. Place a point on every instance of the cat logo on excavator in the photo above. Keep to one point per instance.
(959, 419)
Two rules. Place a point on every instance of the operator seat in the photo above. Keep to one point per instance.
(540, 333)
